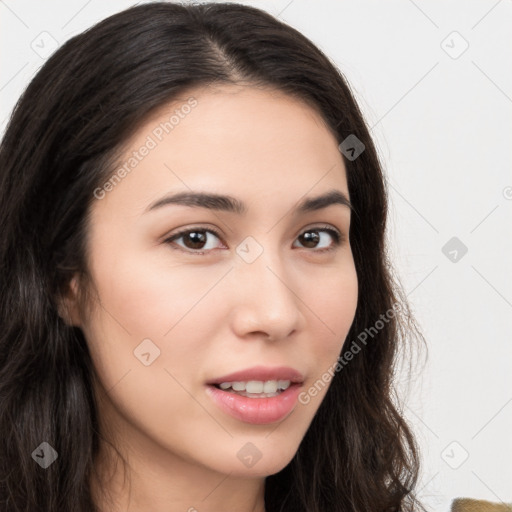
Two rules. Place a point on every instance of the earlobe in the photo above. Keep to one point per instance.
(68, 304)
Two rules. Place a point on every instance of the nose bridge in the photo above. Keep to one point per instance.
(265, 290)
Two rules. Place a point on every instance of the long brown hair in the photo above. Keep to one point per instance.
(359, 453)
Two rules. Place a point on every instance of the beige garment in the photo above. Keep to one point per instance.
(470, 505)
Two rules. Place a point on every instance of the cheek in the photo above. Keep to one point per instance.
(334, 305)
(147, 297)
(144, 298)
(150, 314)
(333, 310)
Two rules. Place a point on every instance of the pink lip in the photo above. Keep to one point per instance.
(255, 410)
(262, 373)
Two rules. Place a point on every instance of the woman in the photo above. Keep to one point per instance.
(198, 312)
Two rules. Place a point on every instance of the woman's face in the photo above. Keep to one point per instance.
(273, 289)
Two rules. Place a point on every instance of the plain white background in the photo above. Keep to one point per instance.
(434, 80)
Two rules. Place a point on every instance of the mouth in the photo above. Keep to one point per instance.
(257, 395)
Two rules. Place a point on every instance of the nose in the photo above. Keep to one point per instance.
(265, 301)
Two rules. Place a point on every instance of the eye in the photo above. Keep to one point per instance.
(311, 236)
(195, 238)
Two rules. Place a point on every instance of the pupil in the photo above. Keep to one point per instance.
(199, 236)
(310, 237)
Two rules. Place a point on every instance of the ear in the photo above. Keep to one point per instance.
(68, 306)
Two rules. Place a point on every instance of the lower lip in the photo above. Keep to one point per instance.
(256, 410)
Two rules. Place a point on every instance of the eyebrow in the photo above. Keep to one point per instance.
(231, 204)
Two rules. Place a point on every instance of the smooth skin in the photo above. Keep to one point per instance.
(213, 313)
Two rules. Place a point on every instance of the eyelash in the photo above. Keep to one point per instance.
(338, 237)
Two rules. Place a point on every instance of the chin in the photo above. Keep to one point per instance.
(258, 457)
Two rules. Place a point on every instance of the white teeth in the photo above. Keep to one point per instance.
(269, 387)
(257, 386)
(283, 384)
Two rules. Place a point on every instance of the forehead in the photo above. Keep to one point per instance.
(239, 139)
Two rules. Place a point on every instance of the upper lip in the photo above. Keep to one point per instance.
(261, 373)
